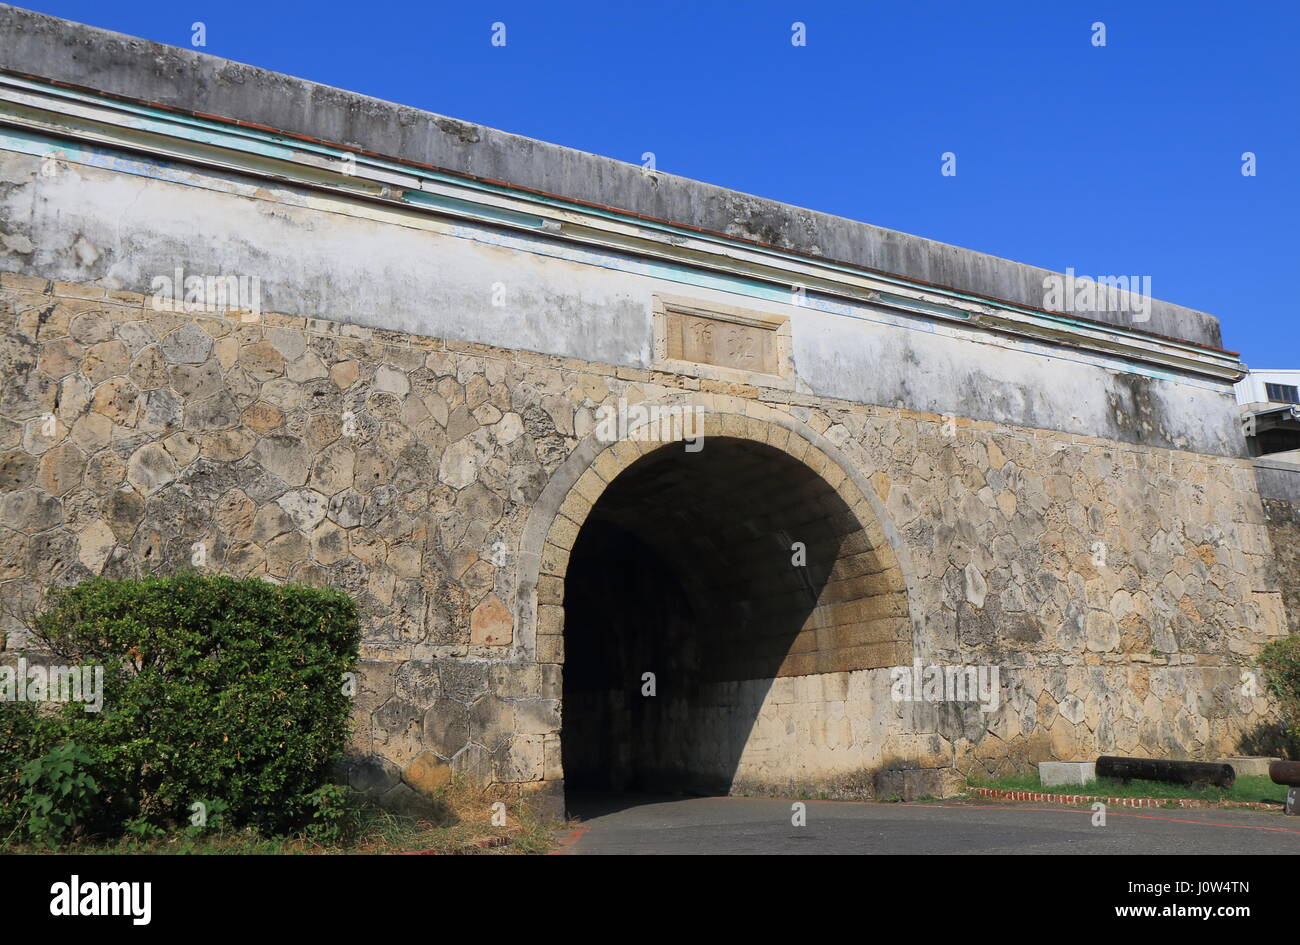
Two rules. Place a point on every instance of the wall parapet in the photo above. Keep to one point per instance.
(322, 124)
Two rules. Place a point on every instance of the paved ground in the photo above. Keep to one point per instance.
(632, 824)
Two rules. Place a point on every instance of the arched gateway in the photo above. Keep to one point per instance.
(678, 584)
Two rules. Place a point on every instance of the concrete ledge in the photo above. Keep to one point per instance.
(1277, 479)
(1077, 773)
(911, 783)
(1248, 767)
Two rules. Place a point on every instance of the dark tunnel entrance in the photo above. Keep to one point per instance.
(688, 568)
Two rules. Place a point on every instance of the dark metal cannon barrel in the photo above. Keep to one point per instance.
(1173, 772)
(1285, 772)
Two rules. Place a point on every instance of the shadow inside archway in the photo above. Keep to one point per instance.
(696, 581)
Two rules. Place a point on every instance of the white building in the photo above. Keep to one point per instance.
(1272, 387)
(1270, 417)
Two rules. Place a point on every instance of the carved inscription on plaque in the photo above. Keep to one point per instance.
(726, 344)
(722, 342)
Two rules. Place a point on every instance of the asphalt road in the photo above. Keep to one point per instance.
(632, 824)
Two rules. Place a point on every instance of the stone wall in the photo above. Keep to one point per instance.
(1119, 589)
(1279, 489)
(1283, 519)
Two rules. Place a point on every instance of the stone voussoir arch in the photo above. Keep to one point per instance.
(577, 484)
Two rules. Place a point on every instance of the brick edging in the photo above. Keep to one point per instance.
(1185, 802)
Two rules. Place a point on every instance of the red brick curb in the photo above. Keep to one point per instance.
(1185, 802)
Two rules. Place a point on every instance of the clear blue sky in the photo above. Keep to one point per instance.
(1117, 160)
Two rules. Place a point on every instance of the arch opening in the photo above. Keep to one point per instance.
(718, 572)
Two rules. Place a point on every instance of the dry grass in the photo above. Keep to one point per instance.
(463, 825)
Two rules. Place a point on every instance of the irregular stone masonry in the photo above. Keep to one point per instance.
(1283, 522)
(1122, 590)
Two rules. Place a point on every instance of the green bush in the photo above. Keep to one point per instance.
(20, 742)
(218, 691)
(335, 814)
(1280, 661)
(59, 795)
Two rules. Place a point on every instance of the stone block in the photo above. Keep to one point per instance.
(491, 623)
(371, 775)
(1066, 773)
(911, 783)
(1244, 766)
(888, 784)
(537, 716)
(932, 782)
(406, 802)
(427, 773)
(545, 798)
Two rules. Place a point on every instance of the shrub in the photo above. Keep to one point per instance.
(58, 795)
(217, 691)
(20, 742)
(1280, 661)
(335, 814)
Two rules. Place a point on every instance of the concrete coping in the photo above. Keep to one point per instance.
(1277, 479)
(1267, 462)
(46, 47)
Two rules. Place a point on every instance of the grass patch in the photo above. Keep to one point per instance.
(1246, 788)
(462, 824)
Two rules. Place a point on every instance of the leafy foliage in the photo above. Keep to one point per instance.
(335, 814)
(19, 743)
(58, 794)
(218, 691)
(1280, 661)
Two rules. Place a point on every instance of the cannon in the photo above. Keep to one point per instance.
(1288, 773)
(1285, 772)
(1173, 772)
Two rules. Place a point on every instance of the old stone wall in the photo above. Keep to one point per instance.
(1120, 589)
(1279, 489)
(1283, 519)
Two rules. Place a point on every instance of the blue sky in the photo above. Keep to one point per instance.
(1114, 160)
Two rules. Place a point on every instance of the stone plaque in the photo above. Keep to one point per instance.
(721, 343)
